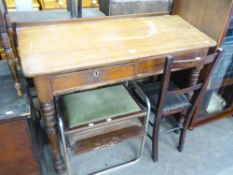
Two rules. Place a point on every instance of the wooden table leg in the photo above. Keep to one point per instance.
(47, 106)
(194, 77)
(195, 74)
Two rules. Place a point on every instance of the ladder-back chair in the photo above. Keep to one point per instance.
(167, 99)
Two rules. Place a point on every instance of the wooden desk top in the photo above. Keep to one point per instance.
(70, 46)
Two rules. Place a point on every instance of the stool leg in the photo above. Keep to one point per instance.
(63, 139)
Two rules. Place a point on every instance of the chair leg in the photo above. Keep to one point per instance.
(155, 139)
(15, 76)
(185, 128)
(182, 139)
(183, 133)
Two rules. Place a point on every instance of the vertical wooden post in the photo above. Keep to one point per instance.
(194, 77)
(11, 35)
(11, 61)
(47, 106)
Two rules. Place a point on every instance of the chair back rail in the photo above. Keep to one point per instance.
(185, 90)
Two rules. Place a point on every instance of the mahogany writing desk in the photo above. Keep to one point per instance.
(73, 55)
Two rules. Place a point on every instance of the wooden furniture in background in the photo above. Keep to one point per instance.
(2, 53)
(8, 26)
(130, 47)
(116, 7)
(90, 3)
(209, 16)
(212, 17)
(52, 4)
(8, 49)
(17, 154)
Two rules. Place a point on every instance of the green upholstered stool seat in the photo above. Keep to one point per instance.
(96, 105)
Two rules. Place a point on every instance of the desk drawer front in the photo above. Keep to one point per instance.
(87, 78)
(154, 66)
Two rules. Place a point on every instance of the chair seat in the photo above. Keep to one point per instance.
(152, 91)
(96, 105)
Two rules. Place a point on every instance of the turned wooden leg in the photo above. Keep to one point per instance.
(14, 73)
(45, 96)
(194, 77)
(11, 61)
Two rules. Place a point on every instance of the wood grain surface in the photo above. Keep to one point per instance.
(209, 16)
(66, 47)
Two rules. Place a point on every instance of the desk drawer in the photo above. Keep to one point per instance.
(155, 65)
(86, 79)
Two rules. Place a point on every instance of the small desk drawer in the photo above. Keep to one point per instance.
(93, 77)
(155, 65)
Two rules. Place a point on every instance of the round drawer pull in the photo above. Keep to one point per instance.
(96, 73)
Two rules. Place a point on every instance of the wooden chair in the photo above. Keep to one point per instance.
(7, 46)
(167, 99)
(102, 117)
